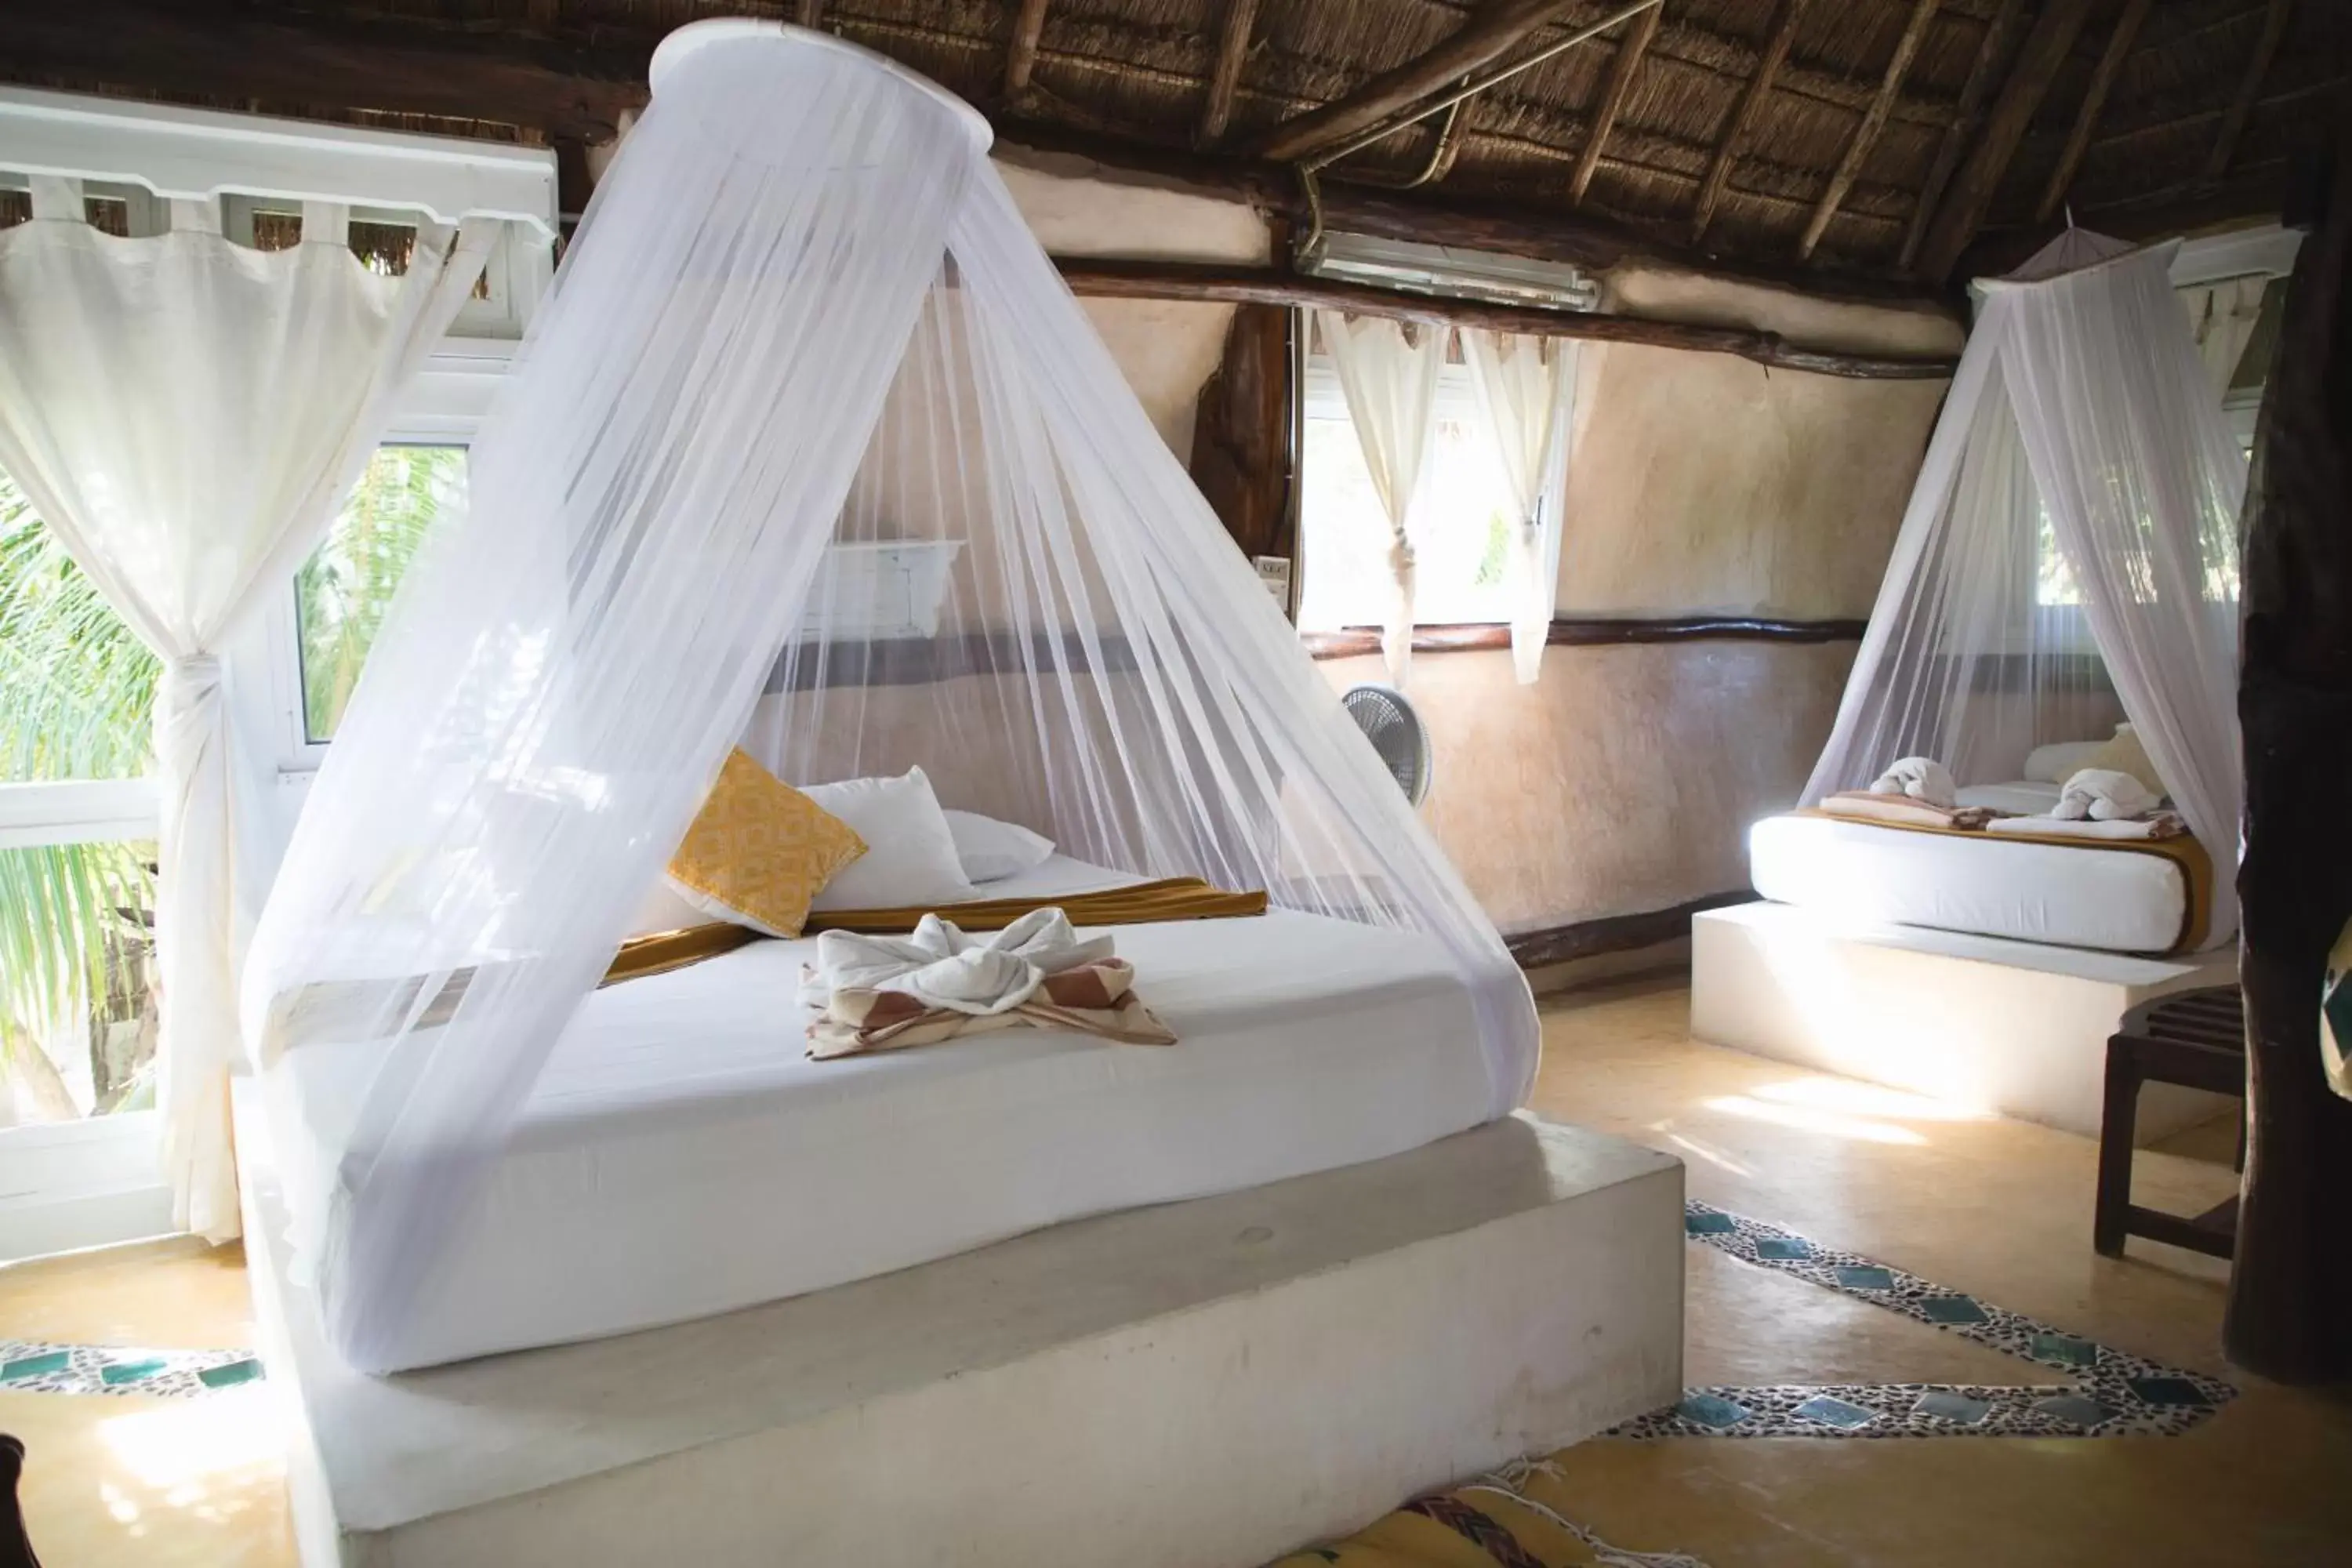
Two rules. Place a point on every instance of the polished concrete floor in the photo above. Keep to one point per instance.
(1998, 1209)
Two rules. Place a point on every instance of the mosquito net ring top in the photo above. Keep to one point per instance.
(810, 453)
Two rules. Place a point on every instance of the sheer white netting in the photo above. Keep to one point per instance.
(2069, 559)
(803, 326)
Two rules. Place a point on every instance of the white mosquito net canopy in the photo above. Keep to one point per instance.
(802, 319)
(2069, 559)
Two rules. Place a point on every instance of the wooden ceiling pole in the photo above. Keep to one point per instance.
(1963, 209)
(1021, 59)
(2103, 81)
(1489, 32)
(1873, 120)
(1621, 71)
(1718, 173)
(1999, 34)
(2249, 86)
(1226, 77)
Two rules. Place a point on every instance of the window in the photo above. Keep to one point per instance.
(344, 590)
(77, 854)
(1461, 527)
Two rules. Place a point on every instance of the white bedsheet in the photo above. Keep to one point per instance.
(2116, 902)
(681, 1157)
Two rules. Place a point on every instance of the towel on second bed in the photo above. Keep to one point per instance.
(887, 992)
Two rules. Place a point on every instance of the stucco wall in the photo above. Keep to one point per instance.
(1706, 484)
(1168, 348)
(1622, 781)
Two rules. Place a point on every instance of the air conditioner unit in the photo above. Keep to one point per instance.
(1445, 270)
(880, 589)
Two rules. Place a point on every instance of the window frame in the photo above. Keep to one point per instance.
(1320, 398)
(444, 408)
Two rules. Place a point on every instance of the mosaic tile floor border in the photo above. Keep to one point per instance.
(32, 1366)
(2106, 1392)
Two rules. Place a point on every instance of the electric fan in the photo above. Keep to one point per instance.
(1396, 733)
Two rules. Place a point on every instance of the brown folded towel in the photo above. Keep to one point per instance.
(1869, 806)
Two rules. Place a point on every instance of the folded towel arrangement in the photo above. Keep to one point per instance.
(2103, 795)
(1921, 779)
(887, 992)
(1877, 806)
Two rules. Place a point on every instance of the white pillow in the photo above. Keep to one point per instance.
(993, 850)
(662, 908)
(911, 856)
(2057, 763)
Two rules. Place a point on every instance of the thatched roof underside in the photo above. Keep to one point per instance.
(2195, 118)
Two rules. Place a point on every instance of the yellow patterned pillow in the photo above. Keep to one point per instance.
(760, 850)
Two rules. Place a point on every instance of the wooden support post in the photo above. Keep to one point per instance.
(2000, 33)
(1727, 150)
(2291, 1288)
(1242, 435)
(1225, 77)
(1487, 34)
(1021, 59)
(2094, 100)
(2249, 86)
(1622, 69)
(1963, 209)
(1873, 120)
(810, 14)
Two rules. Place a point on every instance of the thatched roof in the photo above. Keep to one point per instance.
(1728, 125)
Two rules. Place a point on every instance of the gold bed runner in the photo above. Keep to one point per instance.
(1142, 903)
(2183, 851)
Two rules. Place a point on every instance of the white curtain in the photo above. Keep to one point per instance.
(185, 414)
(1526, 395)
(2221, 318)
(2069, 557)
(1388, 372)
(803, 319)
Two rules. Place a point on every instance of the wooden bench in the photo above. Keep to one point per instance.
(2196, 1038)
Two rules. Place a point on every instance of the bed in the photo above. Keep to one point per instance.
(680, 1157)
(2114, 896)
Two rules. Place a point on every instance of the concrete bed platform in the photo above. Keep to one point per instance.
(2010, 1026)
(1208, 1383)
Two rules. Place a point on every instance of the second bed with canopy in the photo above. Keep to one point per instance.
(2061, 597)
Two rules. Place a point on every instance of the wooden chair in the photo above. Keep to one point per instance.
(2196, 1038)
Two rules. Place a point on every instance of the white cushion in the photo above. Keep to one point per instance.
(2057, 763)
(664, 907)
(993, 850)
(910, 854)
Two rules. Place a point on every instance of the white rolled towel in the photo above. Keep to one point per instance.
(2103, 794)
(1921, 778)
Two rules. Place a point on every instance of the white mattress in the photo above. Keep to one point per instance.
(2119, 902)
(680, 1156)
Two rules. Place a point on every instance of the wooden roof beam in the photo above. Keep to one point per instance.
(1488, 33)
(1622, 69)
(2249, 86)
(2094, 100)
(1021, 58)
(2000, 33)
(567, 89)
(1962, 211)
(1874, 121)
(1751, 99)
(1225, 77)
